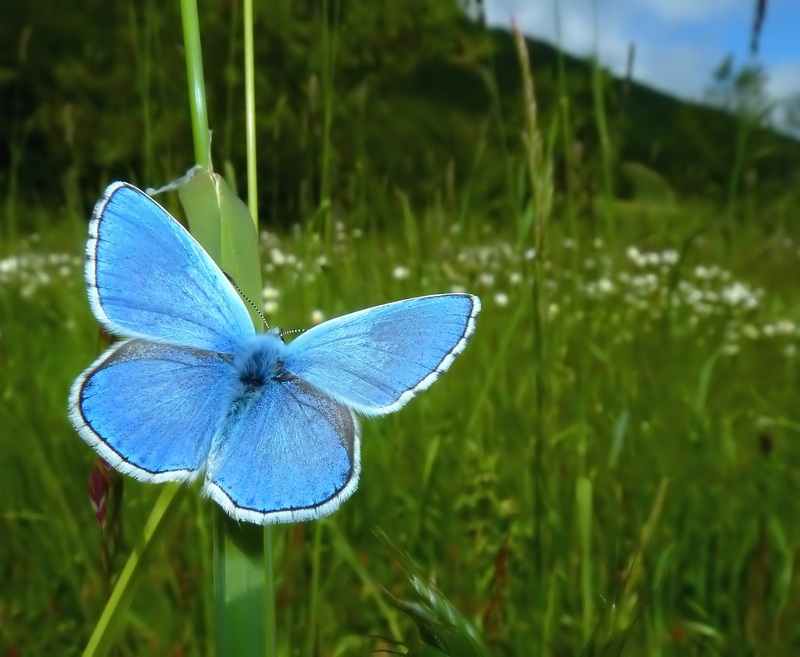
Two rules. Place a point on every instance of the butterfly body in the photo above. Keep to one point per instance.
(260, 362)
(193, 390)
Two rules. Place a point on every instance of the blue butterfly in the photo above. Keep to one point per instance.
(193, 390)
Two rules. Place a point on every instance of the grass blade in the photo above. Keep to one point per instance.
(113, 616)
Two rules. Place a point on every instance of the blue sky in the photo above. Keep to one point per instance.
(678, 42)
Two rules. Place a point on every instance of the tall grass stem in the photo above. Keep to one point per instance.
(240, 574)
(197, 88)
(250, 112)
(541, 190)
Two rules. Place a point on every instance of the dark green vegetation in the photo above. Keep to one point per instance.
(611, 466)
(100, 94)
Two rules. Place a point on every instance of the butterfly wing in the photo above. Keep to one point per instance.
(287, 453)
(147, 277)
(375, 360)
(151, 409)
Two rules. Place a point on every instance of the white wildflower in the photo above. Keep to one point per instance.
(501, 299)
(400, 273)
(738, 294)
(9, 265)
(651, 259)
(486, 279)
(605, 286)
(637, 257)
(277, 256)
(730, 349)
(270, 293)
(669, 257)
(704, 273)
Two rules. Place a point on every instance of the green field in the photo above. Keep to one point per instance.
(611, 467)
(659, 505)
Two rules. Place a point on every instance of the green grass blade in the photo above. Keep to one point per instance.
(218, 217)
(583, 504)
(113, 616)
(197, 87)
(239, 587)
(250, 112)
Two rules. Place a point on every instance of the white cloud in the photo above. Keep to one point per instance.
(681, 11)
(783, 80)
(783, 85)
(678, 42)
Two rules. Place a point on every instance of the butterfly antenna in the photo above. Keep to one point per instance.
(293, 331)
(246, 298)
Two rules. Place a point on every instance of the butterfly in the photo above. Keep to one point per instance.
(193, 390)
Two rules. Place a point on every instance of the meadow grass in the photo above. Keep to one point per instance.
(611, 466)
(669, 447)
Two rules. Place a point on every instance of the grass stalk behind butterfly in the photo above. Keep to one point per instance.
(242, 581)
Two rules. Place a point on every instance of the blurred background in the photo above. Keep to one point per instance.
(611, 467)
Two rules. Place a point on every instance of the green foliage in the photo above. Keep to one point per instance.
(424, 100)
(611, 466)
(658, 365)
(442, 630)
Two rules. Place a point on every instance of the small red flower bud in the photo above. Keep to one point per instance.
(99, 484)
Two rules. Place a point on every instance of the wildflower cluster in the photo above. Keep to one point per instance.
(628, 294)
(32, 271)
(283, 264)
(704, 299)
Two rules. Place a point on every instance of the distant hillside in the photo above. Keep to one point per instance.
(422, 101)
(691, 144)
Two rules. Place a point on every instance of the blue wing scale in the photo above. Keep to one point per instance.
(376, 360)
(151, 409)
(301, 450)
(148, 278)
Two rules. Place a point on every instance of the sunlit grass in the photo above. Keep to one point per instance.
(671, 430)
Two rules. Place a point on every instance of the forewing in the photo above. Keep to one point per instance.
(375, 360)
(151, 409)
(287, 453)
(147, 277)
